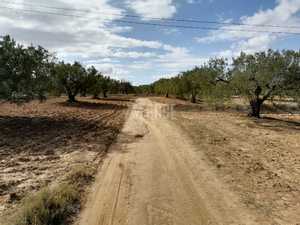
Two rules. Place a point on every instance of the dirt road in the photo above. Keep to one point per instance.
(155, 176)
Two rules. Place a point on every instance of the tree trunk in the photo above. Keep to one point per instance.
(105, 94)
(95, 96)
(167, 95)
(255, 107)
(72, 98)
(193, 98)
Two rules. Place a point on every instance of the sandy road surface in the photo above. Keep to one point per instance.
(154, 176)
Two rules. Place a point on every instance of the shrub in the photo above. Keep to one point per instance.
(49, 206)
(81, 175)
(53, 206)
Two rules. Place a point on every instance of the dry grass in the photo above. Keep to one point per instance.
(81, 175)
(49, 206)
(55, 205)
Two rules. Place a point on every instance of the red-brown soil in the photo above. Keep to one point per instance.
(41, 142)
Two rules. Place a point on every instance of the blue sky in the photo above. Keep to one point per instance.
(142, 54)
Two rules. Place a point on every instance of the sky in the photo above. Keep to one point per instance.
(94, 32)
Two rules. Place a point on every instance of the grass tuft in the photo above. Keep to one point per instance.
(81, 175)
(54, 206)
(49, 206)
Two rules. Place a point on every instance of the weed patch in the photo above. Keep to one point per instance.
(56, 205)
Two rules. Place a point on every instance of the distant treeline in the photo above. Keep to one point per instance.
(32, 72)
(257, 77)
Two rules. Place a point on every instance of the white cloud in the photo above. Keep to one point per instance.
(95, 39)
(113, 70)
(153, 8)
(283, 14)
(179, 59)
(170, 63)
(85, 34)
(88, 37)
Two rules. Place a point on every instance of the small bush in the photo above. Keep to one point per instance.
(54, 206)
(81, 176)
(49, 206)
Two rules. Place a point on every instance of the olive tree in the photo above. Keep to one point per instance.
(125, 87)
(96, 79)
(24, 72)
(260, 76)
(71, 77)
(292, 81)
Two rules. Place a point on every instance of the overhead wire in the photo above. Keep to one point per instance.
(168, 25)
(190, 20)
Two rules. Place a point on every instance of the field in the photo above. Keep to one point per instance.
(40, 143)
(257, 158)
(165, 165)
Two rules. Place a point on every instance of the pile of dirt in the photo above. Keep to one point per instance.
(41, 142)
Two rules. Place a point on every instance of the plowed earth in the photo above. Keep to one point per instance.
(41, 142)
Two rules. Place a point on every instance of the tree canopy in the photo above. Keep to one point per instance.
(261, 76)
(32, 72)
(256, 77)
(24, 71)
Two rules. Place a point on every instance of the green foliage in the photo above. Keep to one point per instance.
(24, 72)
(292, 81)
(75, 79)
(126, 87)
(88, 81)
(96, 88)
(257, 77)
(71, 77)
(198, 83)
(260, 76)
(105, 85)
(144, 89)
(28, 73)
(32, 72)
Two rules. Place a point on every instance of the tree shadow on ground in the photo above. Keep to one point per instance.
(278, 124)
(93, 105)
(280, 108)
(44, 135)
(115, 99)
